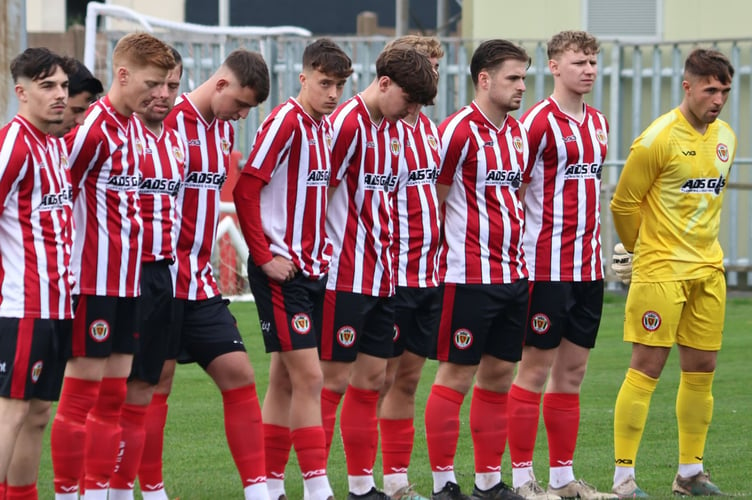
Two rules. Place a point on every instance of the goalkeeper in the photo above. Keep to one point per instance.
(667, 209)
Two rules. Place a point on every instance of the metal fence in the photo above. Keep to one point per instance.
(636, 83)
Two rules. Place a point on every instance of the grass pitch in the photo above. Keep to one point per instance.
(198, 464)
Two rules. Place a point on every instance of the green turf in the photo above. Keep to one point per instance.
(198, 464)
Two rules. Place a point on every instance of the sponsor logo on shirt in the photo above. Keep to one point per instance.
(159, 186)
(318, 178)
(194, 142)
(422, 176)
(56, 201)
(123, 183)
(375, 182)
(704, 185)
(583, 171)
(204, 180)
(504, 178)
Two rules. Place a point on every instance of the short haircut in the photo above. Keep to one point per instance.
(38, 63)
(142, 49)
(251, 71)
(327, 57)
(178, 59)
(491, 54)
(411, 70)
(572, 40)
(427, 45)
(709, 62)
(83, 81)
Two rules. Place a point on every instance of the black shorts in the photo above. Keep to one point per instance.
(560, 309)
(353, 323)
(32, 361)
(207, 330)
(103, 325)
(416, 319)
(157, 340)
(289, 312)
(481, 319)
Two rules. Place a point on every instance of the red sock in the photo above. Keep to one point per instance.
(245, 433)
(397, 437)
(310, 446)
(132, 441)
(2, 490)
(68, 432)
(442, 426)
(277, 444)
(150, 469)
(524, 414)
(359, 427)
(488, 427)
(103, 433)
(329, 403)
(561, 413)
(26, 492)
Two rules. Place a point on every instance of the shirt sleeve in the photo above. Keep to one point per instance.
(344, 145)
(247, 197)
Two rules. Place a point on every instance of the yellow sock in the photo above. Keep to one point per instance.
(694, 411)
(630, 414)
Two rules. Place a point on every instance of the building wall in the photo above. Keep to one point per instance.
(696, 19)
(45, 15)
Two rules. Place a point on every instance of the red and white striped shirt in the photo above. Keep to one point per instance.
(416, 219)
(562, 201)
(291, 155)
(161, 177)
(483, 216)
(209, 146)
(35, 224)
(106, 154)
(365, 166)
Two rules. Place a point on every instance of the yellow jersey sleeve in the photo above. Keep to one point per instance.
(667, 204)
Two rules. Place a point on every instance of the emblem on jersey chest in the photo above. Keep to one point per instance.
(139, 148)
(601, 136)
(328, 139)
(177, 153)
(225, 145)
(432, 142)
(722, 151)
(394, 146)
(517, 143)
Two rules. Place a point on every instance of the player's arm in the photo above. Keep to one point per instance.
(637, 177)
(344, 147)
(85, 145)
(10, 172)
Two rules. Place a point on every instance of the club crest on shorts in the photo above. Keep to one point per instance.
(722, 151)
(301, 323)
(463, 339)
(99, 330)
(396, 334)
(540, 323)
(651, 320)
(346, 336)
(36, 371)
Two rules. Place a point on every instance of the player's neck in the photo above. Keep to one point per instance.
(41, 125)
(570, 103)
(201, 98)
(370, 98)
(119, 102)
(308, 108)
(696, 123)
(495, 114)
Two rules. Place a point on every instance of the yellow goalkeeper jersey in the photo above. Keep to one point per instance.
(667, 204)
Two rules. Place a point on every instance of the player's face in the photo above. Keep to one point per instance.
(231, 101)
(506, 85)
(75, 112)
(144, 85)
(705, 98)
(43, 100)
(394, 102)
(575, 70)
(320, 92)
(160, 107)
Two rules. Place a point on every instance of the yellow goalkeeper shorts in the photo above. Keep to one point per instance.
(689, 313)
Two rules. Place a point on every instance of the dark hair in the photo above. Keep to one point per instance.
(326, 56)
(251, 71)
(178, 59)
(709, 62)
(491, 54)
(411, 70)
(83, 81)
(572, 40)
(37, 63)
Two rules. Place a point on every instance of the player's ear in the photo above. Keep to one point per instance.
(302, 78)
(20, 91)
(553, 66)
(122, 75)
(384, 83)
(222, 84)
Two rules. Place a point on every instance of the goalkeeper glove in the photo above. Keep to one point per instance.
(621, 264)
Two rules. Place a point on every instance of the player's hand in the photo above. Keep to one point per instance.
(280, 269)
(621, 264)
